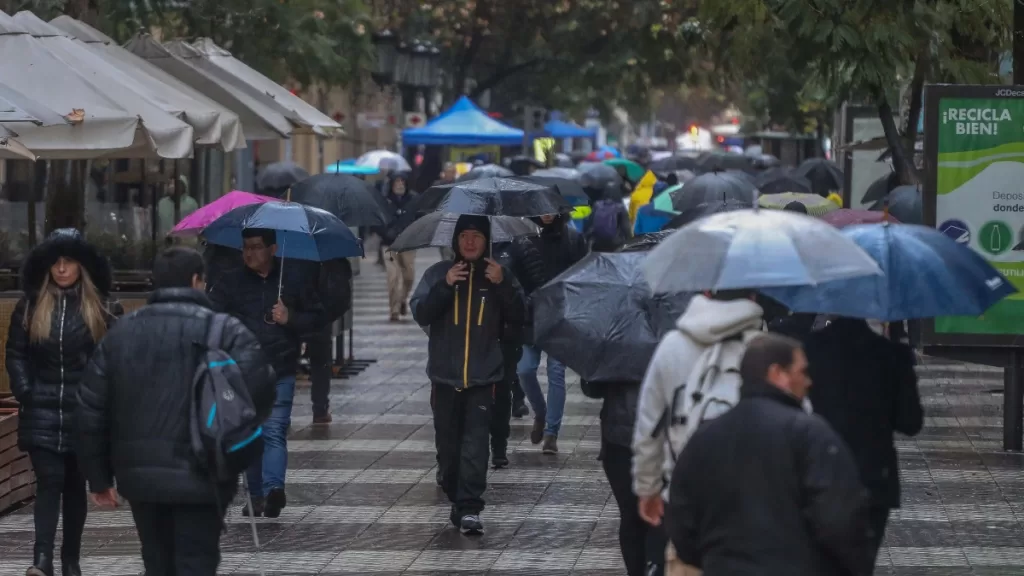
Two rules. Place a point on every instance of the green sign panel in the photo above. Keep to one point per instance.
(980, 197)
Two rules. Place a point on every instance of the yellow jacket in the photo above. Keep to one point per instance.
(641, 195)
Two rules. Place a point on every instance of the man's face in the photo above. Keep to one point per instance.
(795, 378)
(448, 174)
(257, 255)
(547, 218)
(472, 244)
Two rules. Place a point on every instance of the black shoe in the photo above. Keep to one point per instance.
(454, 517)
(322, 418)
(257, 507)
(70, 568)
(439, 478)
(500, 461)
(537, 431)
(519, 409)
(471, 525)
(43, 565)
(276, 501)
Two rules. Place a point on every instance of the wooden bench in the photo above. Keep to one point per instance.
(17, 481)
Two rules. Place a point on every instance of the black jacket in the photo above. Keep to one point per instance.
(401, 216)
(44, 376)
(559, 246)
(618, 410)
(249, 297)
(465, 323)
(865, 386)
(768, 489)
(133, 413)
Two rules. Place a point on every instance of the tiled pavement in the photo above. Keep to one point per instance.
(363, 500)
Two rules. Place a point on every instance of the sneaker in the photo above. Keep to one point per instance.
(500, 461)
(257, 507)
(537, 432)
(550, 444)
(275, 502)
(322, 418)
(519, 409)
(471, 525)
(405, 309)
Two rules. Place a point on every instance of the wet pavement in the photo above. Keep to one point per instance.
(362, 497)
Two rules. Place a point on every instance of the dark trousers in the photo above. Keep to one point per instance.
(657, 541)
(462, 425)
(179, 539)
(878, 518)
(504, 393)
(318, 347)
(617, 464)
(59, 481)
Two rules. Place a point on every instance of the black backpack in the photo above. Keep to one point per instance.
(226, 434)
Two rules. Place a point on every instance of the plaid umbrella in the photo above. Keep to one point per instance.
(815, 205)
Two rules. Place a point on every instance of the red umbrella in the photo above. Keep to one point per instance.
(846, 217)
(599, 155)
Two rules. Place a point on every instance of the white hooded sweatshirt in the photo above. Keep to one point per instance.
(705, 323)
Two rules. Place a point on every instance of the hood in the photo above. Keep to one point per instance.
(392, 177)
(472, 222)
(708, 321)
(68, 243)
(556, 227)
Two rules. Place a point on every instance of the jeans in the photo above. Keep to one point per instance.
(552, 410)
(58, 481)
(617, 464)
(320, 353)
(268, 473)
(462, 426)
(179, 539)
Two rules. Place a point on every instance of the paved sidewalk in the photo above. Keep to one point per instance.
(362, 498)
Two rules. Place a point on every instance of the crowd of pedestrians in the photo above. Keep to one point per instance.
(738, 390)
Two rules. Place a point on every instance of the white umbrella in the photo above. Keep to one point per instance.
(214, 124)
(750, 249)
(384, 159)
(169, 137)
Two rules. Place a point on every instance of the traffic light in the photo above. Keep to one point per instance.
(535, 119)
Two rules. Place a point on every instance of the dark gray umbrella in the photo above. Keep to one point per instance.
(706, 209)
(494, 196)
(600, 180)
(485, 171)
(778, 181)
(880, 188)
(600, 318)
(765, 162)
(674, 164)
(712, 161)
(279, 176)
(438, 229)
(904, 203)
(825, 177)
(713, 187)
(352, 200)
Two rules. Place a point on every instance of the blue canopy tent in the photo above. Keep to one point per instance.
(464, 124)
(561, 129)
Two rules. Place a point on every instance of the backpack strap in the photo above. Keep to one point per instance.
(215, 331)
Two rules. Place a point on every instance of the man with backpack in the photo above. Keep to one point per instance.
(137, 415)
(693, 376)
(609, 225)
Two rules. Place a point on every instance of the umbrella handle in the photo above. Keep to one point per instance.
(280, 273)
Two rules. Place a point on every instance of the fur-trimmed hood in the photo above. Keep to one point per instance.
(68, 243)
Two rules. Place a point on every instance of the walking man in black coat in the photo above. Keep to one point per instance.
(465, 306)
(767, 488)
(133, 418)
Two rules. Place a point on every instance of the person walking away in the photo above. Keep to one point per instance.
(54, 330)
(464, 306)
(559, 247)
(279, 324)
(865, 386)
(804, 514)
(712, 321)
(134, 432)
(609, 226)
(401, 266)
(333, 280)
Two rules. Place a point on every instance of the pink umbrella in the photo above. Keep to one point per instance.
(194, 223)
(846, 217)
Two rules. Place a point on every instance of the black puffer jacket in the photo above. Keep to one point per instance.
(249, 297)
(45, 375)
(559, 245)
(133, 413)
(401, 216)
(618, 412)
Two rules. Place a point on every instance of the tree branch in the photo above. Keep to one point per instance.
(502, 74)
(904, 166)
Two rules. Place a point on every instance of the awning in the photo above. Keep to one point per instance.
(464, 124)
(562, 129)
(214, 124)
(16, 107)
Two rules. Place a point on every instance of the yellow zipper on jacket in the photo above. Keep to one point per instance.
(469, 314)
(456, 304)
(480, 314)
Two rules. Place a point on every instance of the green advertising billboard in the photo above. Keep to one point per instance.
(975, 150)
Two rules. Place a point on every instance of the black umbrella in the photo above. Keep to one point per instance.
(280, 175)
(778, 181)
(825, 177)
(569, 173)
(352, 200)
(880, 188)
(713, 161)
(438, 229)
(673, 164)
(600, 318)
(494, 196)
(522, 165)
(706, 209)
(713, 187)
(905, 205)
(764, 161)
(644, 242)
(485, 171)
(567, 188)
(600, 180)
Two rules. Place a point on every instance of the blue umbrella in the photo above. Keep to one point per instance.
(303, 232)
(350, 167)
(926, 274)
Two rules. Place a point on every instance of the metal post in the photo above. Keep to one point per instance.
(1018, 42)
(1013, 402)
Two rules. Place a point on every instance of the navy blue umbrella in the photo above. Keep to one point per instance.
(926, 274)
(303, 232)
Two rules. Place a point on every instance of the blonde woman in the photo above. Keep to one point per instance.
(55, 327)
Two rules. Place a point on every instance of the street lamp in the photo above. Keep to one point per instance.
(419, 66)
(386, 45)
(403, 62)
